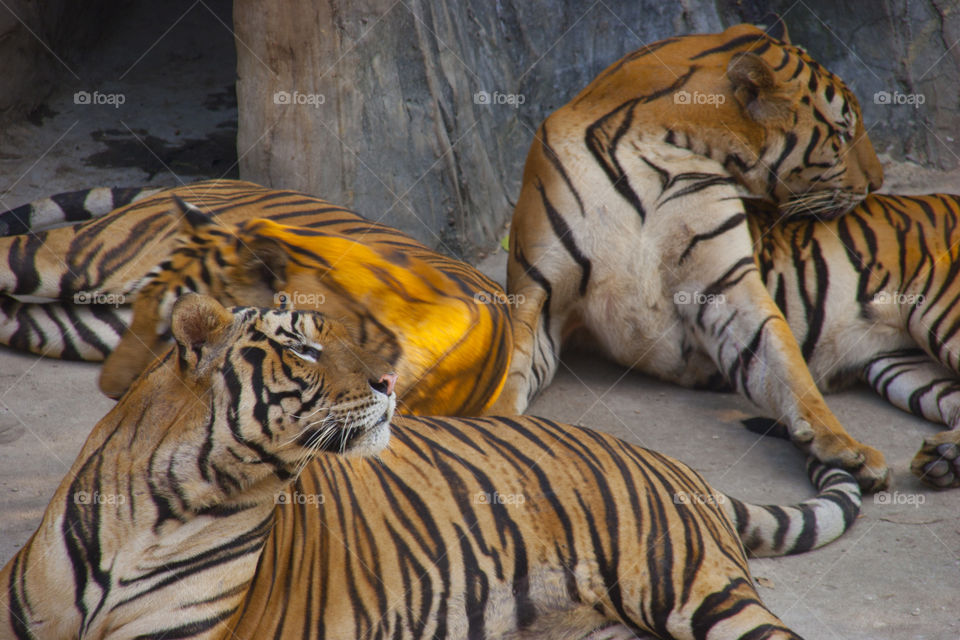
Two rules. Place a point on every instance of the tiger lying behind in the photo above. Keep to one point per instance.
(630, 225)
(874, 296)
(248, 486)
(437, 321)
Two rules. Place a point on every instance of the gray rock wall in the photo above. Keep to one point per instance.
(36, 41)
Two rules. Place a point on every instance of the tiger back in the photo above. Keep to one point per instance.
(436, 321)
(630, 231)
(203, 525)
(434, 318)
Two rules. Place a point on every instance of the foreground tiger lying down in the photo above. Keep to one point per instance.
(437, 321)
(630, 225)
(267, 430)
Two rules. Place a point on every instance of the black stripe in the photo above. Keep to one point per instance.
(730, 45)
(732, 222)
(565, 235)
(555, 161)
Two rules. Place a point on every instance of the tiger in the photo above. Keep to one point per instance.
(437, 320)
(629, 226)
(873, 296)
(256, 482)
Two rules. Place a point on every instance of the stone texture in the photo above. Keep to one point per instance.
(36, 42)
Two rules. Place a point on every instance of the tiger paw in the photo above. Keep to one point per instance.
(865, 463)
(938, 461)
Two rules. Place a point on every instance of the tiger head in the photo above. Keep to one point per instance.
(279, 385)
(786, 129)
(811, 153)
(222, 261)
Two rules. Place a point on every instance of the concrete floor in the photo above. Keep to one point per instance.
(895, 575)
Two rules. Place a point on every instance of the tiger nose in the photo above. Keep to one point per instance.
(385, 384)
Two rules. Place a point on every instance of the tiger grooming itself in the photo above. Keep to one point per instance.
(250, 485)
(438, 321)
(630, 227)
(873, 296)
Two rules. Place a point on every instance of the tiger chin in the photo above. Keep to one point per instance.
(187, 469)
(254, 483)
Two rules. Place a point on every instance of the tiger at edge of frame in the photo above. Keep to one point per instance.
(438, 321)
(415, 527)
(874, 297)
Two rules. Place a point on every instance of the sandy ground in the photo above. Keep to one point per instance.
(895, 575)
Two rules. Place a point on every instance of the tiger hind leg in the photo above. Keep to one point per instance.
(62, 330)
(616, 632)
(723, 604)
(749, 340)
(911, 380)
(938, 461)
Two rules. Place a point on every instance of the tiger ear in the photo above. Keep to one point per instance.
(192, 218)
(774, 26)
(198, 322)
(756, 88)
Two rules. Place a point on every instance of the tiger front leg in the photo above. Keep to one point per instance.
(536, 352)
(738, 324)
(938, 461)
(911, 380)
